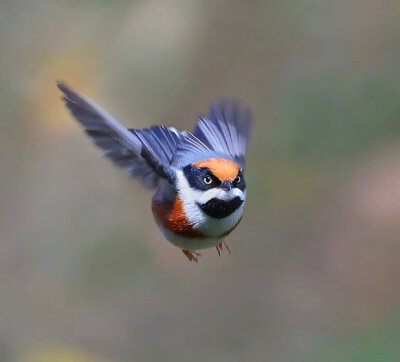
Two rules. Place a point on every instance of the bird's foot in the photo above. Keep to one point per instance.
(191, 255)
(220, 246)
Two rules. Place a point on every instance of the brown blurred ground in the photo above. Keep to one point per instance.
(84, 273)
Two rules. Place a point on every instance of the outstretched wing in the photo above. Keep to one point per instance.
(190, 149)
(160, 141)
(145, 154)
(226, 129)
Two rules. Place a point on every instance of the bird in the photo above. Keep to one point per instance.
(198, 176)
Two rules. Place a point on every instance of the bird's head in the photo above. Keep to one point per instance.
(215, 185)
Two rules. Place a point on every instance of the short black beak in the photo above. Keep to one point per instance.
(226, 185)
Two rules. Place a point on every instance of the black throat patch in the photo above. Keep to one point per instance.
(219, 209)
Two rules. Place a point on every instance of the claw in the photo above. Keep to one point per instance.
(227, 247)
(218, 249)
(220, 246)
(191, 255)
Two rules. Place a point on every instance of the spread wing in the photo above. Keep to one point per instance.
(226, 129)
(145, 154)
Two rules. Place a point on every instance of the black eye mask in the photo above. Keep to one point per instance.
(195, 177)
(241, 184)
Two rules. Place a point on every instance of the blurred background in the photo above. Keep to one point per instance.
(314, 275)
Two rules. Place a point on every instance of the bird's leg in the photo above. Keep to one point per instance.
(220, 246)
(227, 247)
(191, 255)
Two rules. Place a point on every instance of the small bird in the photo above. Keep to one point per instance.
(198, 176)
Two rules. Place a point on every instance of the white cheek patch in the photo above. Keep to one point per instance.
(203, 196)
(193, 213)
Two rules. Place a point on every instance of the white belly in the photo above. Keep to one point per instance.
(213, 230)
(189, 243)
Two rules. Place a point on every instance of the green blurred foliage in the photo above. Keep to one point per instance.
(326, 117)
(380, 343)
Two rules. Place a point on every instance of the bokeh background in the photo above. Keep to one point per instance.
(314, 275)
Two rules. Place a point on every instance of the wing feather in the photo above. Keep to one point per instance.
(145, 154)
(226, 129)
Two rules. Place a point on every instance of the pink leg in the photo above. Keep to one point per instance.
(191, 255)
(220, 246)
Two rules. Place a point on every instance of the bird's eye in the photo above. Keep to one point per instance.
(236, 180)
(207, 180)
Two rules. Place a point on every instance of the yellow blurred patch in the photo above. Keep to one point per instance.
(295, 184)
(59, 354)
(48, 111)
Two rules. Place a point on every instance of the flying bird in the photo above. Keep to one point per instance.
(198, 176)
